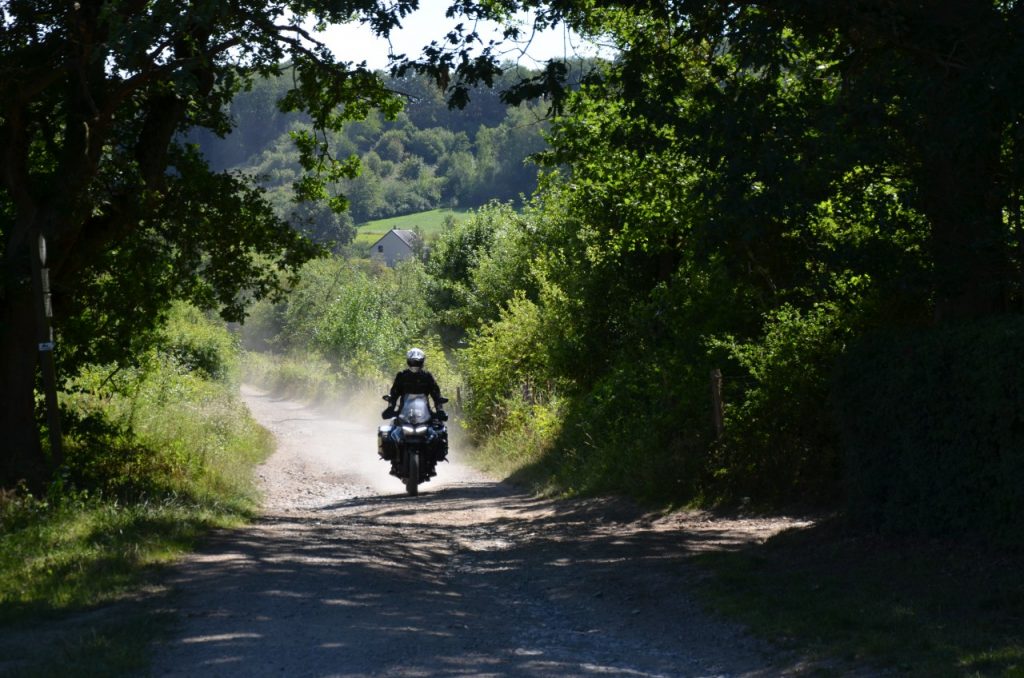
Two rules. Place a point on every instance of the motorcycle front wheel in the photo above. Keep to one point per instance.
(412, 480)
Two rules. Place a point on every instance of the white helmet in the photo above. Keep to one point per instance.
(415, 357)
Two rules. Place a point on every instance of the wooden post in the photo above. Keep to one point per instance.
(717, 415)
(44, 334)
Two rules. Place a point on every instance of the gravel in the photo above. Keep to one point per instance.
(346, 575)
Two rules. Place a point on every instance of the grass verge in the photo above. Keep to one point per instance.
(156, 456)
(78, 593)
(306, 376)
(519, 451)
(918, 608)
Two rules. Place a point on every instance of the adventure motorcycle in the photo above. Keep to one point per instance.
(414, 441)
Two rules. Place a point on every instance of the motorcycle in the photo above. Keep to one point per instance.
(414, 441)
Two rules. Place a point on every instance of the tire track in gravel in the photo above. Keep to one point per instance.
(345, 575)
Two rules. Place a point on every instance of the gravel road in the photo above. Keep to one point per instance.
(345, 575)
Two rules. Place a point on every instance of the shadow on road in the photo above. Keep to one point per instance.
(474, 579)
(470, 578)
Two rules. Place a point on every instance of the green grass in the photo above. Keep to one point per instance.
(430, 223)
(72, 576)
(91, 551)
(156, 457)
(78, 594)
(919, 608)
(296, 376)
(85, 647)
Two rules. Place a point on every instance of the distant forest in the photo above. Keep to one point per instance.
(430, 156)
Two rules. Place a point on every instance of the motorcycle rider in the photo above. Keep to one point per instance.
(415, 379)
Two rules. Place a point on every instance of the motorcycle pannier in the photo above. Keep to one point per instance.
(385, 445)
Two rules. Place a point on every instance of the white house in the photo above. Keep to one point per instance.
(394, 246)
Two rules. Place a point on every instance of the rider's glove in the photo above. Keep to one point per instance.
(388, 413)
(442, 415)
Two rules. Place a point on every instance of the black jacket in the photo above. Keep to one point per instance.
(408, 381)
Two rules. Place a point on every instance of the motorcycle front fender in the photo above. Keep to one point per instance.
(405, 453)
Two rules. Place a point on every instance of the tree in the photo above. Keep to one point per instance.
(929, 91)
(478, 265)
(322, 225)
(756, 185)
(94, 99)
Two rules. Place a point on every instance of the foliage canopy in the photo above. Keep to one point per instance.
(762, 187)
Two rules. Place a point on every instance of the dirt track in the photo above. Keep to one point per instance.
(345, 575)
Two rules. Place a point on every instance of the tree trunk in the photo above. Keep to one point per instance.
(22, 457)
(963, 198)
(970, 257)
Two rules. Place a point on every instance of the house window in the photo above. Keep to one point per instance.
(380, 248)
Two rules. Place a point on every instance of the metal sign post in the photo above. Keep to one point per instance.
(44, 333)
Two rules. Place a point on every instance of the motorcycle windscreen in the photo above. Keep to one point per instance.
(415, 409)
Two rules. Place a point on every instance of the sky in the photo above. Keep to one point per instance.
(355, 42)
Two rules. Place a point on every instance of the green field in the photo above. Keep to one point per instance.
(429, 223)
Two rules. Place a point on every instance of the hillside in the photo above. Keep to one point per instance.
(427, 159)
(428, 223)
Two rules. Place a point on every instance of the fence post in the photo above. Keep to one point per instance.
(717, 416)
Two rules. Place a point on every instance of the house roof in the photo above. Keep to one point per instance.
(408, 237)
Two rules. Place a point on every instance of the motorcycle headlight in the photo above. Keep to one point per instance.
(407, 429)
(420, 430)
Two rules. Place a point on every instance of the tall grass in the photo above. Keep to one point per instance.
(294, 374)
(344, 330)
(157, 455)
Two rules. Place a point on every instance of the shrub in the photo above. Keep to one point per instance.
(356, 320)
(199, 343)
(166, 426)
(642, 429)
(932, 425)
(780, 443)
(505, 361)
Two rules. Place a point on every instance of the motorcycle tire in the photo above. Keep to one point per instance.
(412, 480)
